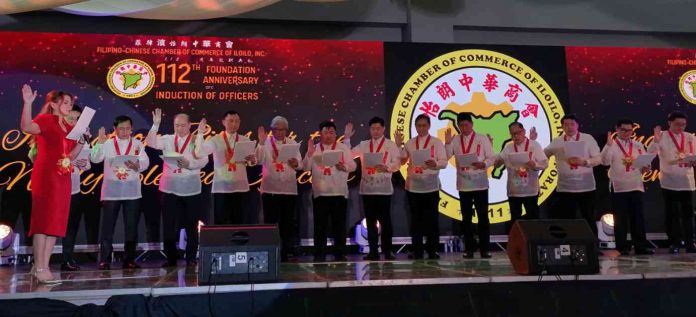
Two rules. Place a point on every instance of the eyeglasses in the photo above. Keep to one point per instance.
(625, 130)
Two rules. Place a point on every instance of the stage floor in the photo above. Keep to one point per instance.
(93, 286)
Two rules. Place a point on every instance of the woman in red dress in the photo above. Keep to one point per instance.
(50, 178)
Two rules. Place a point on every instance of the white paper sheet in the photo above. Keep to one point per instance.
(288, 151)
(120, 160)
(519, 159)
(171, 159)
(243, 149)
(82, 124)
(418, 157)
(373, 159)
(466, 159)
(575, 149)
(331, 158)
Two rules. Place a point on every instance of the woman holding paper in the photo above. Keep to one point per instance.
(523, 159)
(281, 159)
(330, 162)
(76, 208)
(124, 159)
(232, 153)
(473, 155)
(426, 156)
(379, 158)
(181, 185)
(675, 146)
(576, 154)
(624, 156)
(51, 175)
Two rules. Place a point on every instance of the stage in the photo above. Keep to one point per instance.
(630, 285)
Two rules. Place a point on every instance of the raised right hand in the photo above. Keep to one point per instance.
(310, 147)
(448, 136)
(28, 95)
(202, 126)
(399, 138)
(157, 116)
(610, 138)
(657, 133)
(101, 137)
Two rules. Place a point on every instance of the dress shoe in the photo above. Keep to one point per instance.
(486, 255)
(468, 255)
(69, 266)
(433, 256)
(104, 266)
(130, 265)
(371, 257)
(416, 256)
(389, 256)
(644, 252)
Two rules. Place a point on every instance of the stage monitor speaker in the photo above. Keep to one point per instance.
(238, 254)
(553, 246)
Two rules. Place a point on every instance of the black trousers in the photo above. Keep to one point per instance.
(229, 208)
(424, 221)
(567, 205)
(378, 209)
(152, 217)
(628, 213)
(478, 200)
(335, 209)
(131, 218)
(280, 209)
(180, 212)
(531, 207)
(679, 216)
(77, 211)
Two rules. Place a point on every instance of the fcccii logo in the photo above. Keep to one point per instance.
(130, 78)
(687, 86)
(496, 90)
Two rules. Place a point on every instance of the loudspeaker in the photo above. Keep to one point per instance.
(238, 254)
(553, 246)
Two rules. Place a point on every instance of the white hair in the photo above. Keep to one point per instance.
(280, 119)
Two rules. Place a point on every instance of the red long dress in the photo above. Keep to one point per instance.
(50, 186)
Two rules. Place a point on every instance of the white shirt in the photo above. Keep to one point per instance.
(184, 181)
(75, 175)
(120, 183)
(373, 182)
(227, 178)
(421, 179)
(674, 176)
(623, 180)
(580, 178)
(469, 178)
(327, 180)
(275, 180)
(523, 183)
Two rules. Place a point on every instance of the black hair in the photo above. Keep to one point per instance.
(327, 124)
(121, 119)
(376, 120)
(464, 116)
(423, 116)
(676, 115)
(516, 124)
(623, 121)
(231, 113)
(569, 116)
